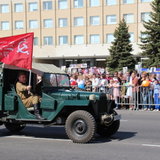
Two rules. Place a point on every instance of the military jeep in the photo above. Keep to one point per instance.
(82, 113)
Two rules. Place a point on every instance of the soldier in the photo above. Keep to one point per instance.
(28, 99)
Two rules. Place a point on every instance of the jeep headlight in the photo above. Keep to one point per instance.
(92, 97)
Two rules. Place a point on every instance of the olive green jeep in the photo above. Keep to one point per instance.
(82, 113)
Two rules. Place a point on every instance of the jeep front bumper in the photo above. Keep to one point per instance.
(109, 119)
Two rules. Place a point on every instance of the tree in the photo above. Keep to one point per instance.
(120, 50)
(151, 41)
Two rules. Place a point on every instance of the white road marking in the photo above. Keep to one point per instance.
(34, 138)
(151, 145)
(124, 120)
(68, 140)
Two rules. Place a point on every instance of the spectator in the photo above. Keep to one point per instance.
(120, 75)
(73, 81)
(102, 84)
(152, 78)
(145, 90)
(115, 77)
(123, 92)
(135, 85)
(116, 92)
(95, 82)
(81, 82)
(110, 89)
(156, 95)
(88, 84)
(129, 89)
(108, 77)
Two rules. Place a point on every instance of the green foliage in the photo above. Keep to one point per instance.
(151, 42)
(120, 50)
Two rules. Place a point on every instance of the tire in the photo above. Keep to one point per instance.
(107, 131)
(80, 126)
(14, 127)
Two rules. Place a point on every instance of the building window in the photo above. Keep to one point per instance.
(131, 37)
(94, 39)
(145, 16)
(110, 38)
(79, 39)
(47, 5)
(62, 4)
(62, 22)
(94, 20)
(48, 40)
(35, 41)
(33, 24)
(4, 25)
(78, 3)
(33, 6)
(111, 2)
(111, 19)
(146, 0)
(143, 35)
(78, 21)
(129, 18)
(4, 8)
(94, 3)
(19, 25)
(63, 40)
(18, 7)
(128, 1)
(48, 23)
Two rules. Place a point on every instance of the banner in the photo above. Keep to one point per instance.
(17, 50)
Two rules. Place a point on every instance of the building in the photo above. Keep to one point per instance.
(73, 31)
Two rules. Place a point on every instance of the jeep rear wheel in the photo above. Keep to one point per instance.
(80, 126)
(14, 127)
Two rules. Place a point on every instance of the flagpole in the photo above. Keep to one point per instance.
(30, 75)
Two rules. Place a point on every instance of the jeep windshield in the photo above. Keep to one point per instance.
(55, 80)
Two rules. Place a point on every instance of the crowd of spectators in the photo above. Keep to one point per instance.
(139, 91)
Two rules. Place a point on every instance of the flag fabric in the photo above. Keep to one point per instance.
(17, 50)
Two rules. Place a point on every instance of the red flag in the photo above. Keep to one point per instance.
(17, 50)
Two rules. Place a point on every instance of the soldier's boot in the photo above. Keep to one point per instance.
(36, 112)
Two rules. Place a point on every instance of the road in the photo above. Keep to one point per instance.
(138, 138)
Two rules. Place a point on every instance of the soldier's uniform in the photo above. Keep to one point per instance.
(27, 98)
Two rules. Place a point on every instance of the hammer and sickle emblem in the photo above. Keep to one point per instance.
(22, 48)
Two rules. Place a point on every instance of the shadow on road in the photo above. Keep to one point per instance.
(118, 136)
(59, 133)
(38, 132)
(124, 135)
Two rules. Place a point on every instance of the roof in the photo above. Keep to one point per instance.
(39, 68)
(47, 68)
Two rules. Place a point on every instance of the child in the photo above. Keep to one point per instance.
(156, 95)
(116, 92)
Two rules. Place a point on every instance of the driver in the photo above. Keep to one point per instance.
(28, 99)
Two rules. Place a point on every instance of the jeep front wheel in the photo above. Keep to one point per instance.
(14, 127)
(80, 126)
(107, 131)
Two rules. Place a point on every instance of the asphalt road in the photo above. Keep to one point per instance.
(137, 139)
